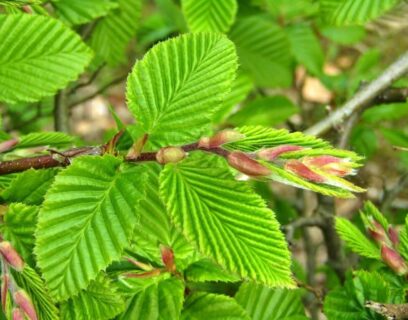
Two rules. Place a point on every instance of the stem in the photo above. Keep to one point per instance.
(363, 97)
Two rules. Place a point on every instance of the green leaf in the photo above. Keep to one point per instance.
(32, 283)
(263, 303)
(356, 240)
(390, 111)
(205, 306)
(364, 140)
(99, 301)
(19, 226)
(206, 270)
(396, 137)
(209, 15)
(176, 87)
(345, 35)
(113, 33)
(38, 56)
(87, 219)
(51, 139)
(74, 12)
(241, 87)
(18, 3)
(352, 12)
(306, 47)
(263, 49)
(153, 298)
(370, 212)
(266, 111)
(347, 303)
(36, 183)
(225, 219)
(258, 137)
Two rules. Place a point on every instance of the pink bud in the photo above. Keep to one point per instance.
(8, 144)
(4, 290)
(167, 256)
(11, 256)
(271, 154)
(170, 155)
(394, 260)
(18, 314)
(246, 165)
(148, 274)
(222, 137)
(329, 164)
(393, 235)
(377, 236)
(22, 299)
(298, 168)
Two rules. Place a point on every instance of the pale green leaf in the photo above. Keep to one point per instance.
(263, 303)
(36, 183)
(206, 270)
(87, 219)
(258, 137)
(157, 298)
(99, 301)
(179, 83)
(225, 219)
(209, 15)
(19, 226)
(38, 56)
(403, 236)
(74, 12)
(206, 306)
(113, 32)
(264, 51)
(356, 240)
(370, 211)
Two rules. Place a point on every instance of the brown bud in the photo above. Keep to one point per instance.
(301, 170)
(246, 165)
(271, 154)
(394, 260)
(222, 137)
(18, 314)
(170, 155)
(22, 299)
(11, 256)
(167, 256)
(393, 235)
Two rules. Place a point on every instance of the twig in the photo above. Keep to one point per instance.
(391, 194)
(390, 311)
(61, 114)
(300, 223)
(363, 96)
(89, 81)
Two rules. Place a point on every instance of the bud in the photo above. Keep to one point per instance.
(301, 170)
(329, 164)
(11, 256)
(4, 290)
(170, 155)
(167, 256)
(22, 299)
(379, 237)
(222, 137)
(139, 264)
(8, 144)
(246, 165)
(393, 235)
(394, 260)
(18, 314)
(148, 274)
(271, 154)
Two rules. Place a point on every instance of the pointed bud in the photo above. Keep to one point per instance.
(167, 256)
(170, 155)
(5, 280)
(22, 299)
(18, 314)
(8, 144)
(246, 165)
(271, 154)
(329, 164)
(377, 236)
(148, 274)
(222, 137)
(301, 170)
(393, 235)
(394, 260)
(11, 256)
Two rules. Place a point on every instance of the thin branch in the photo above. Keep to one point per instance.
(391, 195)
(390, 311)
(363, 96)
(89, 81)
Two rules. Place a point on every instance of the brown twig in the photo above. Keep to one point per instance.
(390, 311)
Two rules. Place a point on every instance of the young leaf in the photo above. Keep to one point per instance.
(153, 298)
(355, 240)
(176, 87)
(18, 228)
(112, 33)
(206, 270)
(263, 303)
(88, 217)
(36, 183)
(225, 219)
(74, 12)
(209, 15)
(263, 50)
(205, 306)
(38, 56)
(99, 301)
